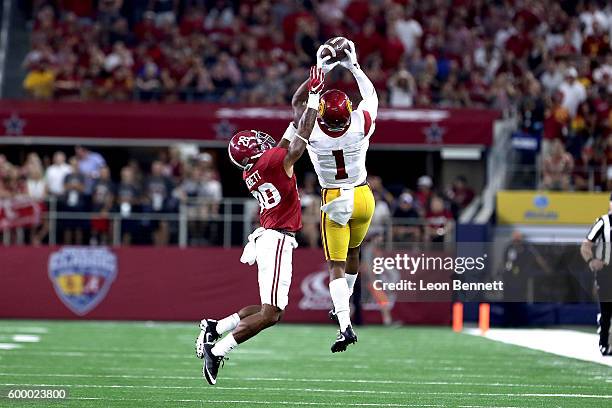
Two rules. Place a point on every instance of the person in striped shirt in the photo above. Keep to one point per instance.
(596, 251)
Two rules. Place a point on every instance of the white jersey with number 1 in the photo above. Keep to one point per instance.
(340, 161)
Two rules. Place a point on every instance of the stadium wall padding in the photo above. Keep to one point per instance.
(148, 283)
(216, 122)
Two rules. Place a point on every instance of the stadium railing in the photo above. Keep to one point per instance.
(193, 224)
(532, 177)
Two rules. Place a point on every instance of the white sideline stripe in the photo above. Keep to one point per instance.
(102, 354)
(115, 354)
(480, 394)
(341, 380)
(292, 403)
(26, 338)
(199, 387)
(179, 371)
(449, 370)
(253, 351)
(280, 389)
(9, 346)
(297, 380)
(13, 329)
(448, 365)
(131, 351)
(297, 403)
(567, 343)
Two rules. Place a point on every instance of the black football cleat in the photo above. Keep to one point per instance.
(208, 334)
(210, 330)
(343, 339)
(605, 350)
(210, 368)
(333, 316)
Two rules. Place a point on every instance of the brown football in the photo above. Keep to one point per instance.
(339, 44)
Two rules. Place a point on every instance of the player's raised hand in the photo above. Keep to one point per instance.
(323, 62)
(351, 61)
(307, 120)
(316, 81)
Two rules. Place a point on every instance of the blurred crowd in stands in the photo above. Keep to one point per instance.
(575, 131)
(144, 202)
(419, 53)
(423, 214)
(82, 189)
(547, 61)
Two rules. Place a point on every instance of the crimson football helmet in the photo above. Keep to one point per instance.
(335, 111)
(246, 146)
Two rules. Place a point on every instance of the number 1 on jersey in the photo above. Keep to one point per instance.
(340, 166)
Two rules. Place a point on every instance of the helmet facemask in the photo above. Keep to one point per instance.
(256, 143)
(264, 140)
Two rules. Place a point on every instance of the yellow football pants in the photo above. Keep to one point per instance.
(337, 239)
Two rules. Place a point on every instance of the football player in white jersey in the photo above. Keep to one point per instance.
(337, 148)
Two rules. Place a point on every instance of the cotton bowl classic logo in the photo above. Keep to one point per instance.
(82, 276)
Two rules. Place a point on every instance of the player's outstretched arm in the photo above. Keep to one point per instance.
(366, 87)
(307, 121)
(298, 102)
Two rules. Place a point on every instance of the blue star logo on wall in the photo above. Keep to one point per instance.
(434, 134)
(13, 126)
(224, 130)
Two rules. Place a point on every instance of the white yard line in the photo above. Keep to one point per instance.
(190, 364)
(295, 380)
(472, 394)
(12, 342)
(288, 356)
(17, 329)
(138, 351)
(567, 343)
(444, 383)
(26, 338)
(199, 387)
(480, 394)
(449, 368)
(258, 402)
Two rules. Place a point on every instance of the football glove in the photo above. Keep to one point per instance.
(323, 62)
(316, 80)
(350, 62)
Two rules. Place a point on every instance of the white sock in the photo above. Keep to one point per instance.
(225, 345)
(228, 324)
(340, 294)
(350, 280)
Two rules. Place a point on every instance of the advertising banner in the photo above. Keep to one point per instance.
(147, 283)
(539, 207)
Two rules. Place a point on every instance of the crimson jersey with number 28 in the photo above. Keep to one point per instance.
(276, 192)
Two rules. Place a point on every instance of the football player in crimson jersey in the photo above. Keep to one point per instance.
(268, 174)
(337, 149)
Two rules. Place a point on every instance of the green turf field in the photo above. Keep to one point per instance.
(134, 364)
